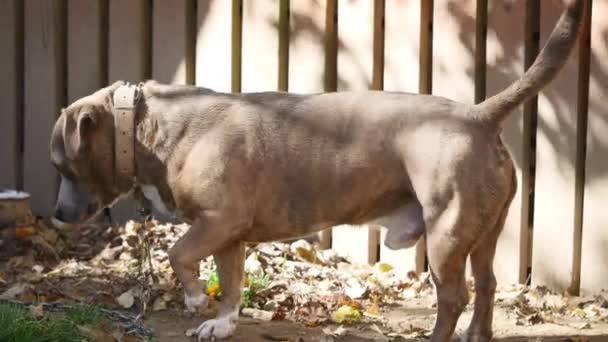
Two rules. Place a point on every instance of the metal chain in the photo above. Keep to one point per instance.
(145, 277)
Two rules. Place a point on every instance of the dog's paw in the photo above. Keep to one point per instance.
(218, 328)
(196, 303)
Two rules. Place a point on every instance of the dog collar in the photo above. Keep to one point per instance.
(125, 101)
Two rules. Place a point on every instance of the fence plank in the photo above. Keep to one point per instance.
(86, 55)
(401, 69)
(307, 54)
(237, 46)
(260, 49)
(284, 33)
(504, 66)
(354, 72)
(213, 61)
(594, 258)
(170, 41)
(128, 60)
(43, 98)
(11, 38)
(425, 86)
(555, 171)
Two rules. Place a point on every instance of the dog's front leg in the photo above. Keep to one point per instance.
(230, 262)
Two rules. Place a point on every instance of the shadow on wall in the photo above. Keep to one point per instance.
(562, 100)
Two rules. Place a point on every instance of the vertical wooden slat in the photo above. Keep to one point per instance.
(594, 258)
(425, 79)
(11, 63)
(44, 96)
(481, 32)
(554, 172)
(378, 45)
(284, 30)
(237, 44)
(213, 48)
(330, 78)
(306, 46)
(85, 57)
(260, 46)
(401, 52)
(504, 67)
(170, 41)
(425, 86)
(331, 46)
(129, 59)
(582, 108)
(530, 112)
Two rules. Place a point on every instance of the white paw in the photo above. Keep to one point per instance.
(196, 303)
(217, 328)
(220, 327)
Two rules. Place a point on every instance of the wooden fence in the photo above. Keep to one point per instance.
(55, 51)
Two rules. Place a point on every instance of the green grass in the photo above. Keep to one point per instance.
(19, 325)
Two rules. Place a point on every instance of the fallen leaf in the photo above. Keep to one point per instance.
(340, 331)
(37, 311)
(126, 300)
(159, 304)
(384, 267)
(23, 232)
(190, 332)
(14, 291)
(346, 314)
(377, 329)
(258, 314)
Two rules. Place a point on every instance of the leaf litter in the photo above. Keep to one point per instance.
(295, 281)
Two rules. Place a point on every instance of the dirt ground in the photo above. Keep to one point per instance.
(171, 326)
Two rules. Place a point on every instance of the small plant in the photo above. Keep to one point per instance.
(256, 283)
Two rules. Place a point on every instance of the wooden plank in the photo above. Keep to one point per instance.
(481, 33)
(237, 46)
(354, 72)
(402, 46)
(129, 60)
(44, 95)
(213, 61)
(170, 41)
(260, 48)
(330, 77)
(504, 66)
(401, 71)
(86, 55)
(594, 258)
(11, 65)
(355, 53)
(582, 108)
(359, 244)
(425, 86)
(555, 171)
(284, 32)
(378, 45)
(307, 42)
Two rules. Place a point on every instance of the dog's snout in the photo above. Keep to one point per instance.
(58, 214)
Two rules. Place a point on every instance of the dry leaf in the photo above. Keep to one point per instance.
(23, 232)
(340, 331)
(37, 311)
(346, 314)
(261, 315)
(126, 300)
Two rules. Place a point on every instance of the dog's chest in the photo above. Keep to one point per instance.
(152, 194)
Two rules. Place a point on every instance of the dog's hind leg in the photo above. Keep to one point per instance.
(482, 259)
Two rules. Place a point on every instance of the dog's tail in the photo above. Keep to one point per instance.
(546, 66)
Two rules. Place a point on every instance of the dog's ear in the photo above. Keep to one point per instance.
(78, 130)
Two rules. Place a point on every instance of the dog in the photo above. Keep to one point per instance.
(266, 166)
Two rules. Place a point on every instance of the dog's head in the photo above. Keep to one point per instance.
(82, 150)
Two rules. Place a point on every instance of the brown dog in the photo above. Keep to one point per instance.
(269, 166)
